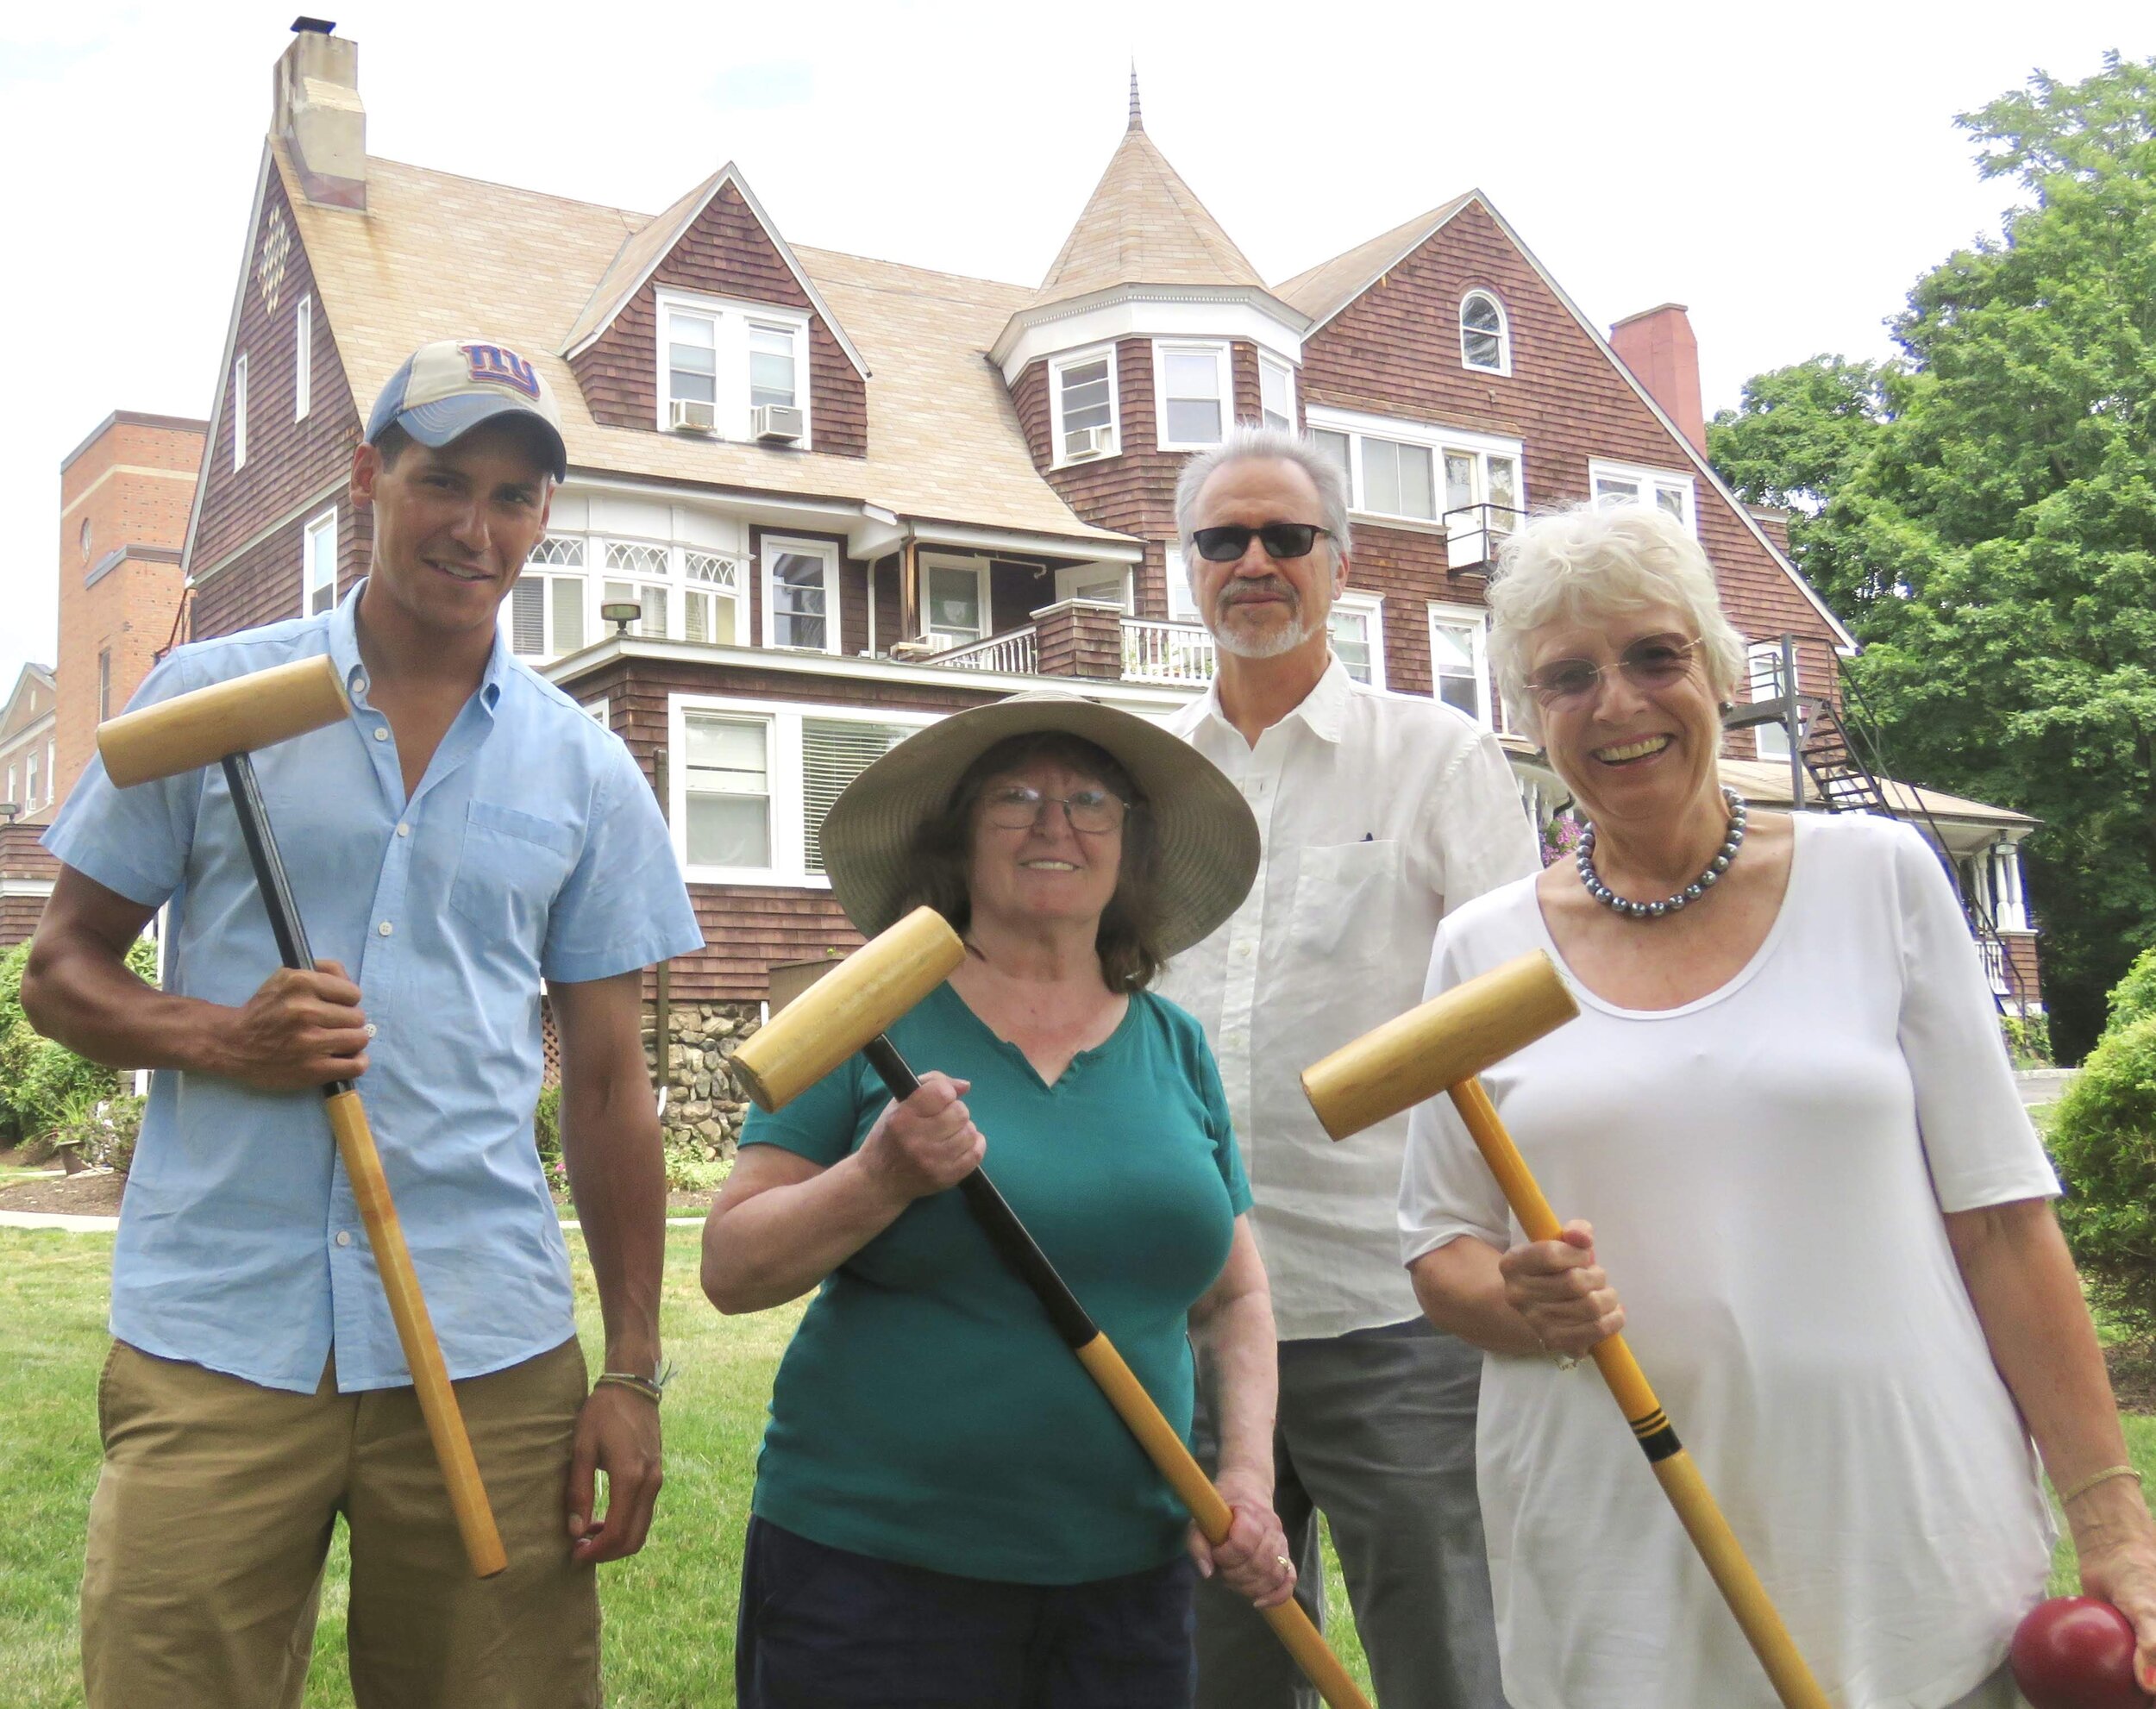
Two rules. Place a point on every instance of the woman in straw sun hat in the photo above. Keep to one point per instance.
(946, 1511)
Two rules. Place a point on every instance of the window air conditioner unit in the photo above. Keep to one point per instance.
(780, 423)
(1089, 441)
(693, 414)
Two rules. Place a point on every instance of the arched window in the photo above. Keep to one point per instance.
(1485, 341)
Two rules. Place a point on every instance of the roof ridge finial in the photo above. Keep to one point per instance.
(1137, 121)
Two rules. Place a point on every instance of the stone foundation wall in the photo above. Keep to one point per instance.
(705, 1108)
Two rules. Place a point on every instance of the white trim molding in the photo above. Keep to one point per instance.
(1150, 311)
(1224, 380)
(771, 547)
(1501, 332)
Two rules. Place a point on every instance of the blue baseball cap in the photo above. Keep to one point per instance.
(446, 389)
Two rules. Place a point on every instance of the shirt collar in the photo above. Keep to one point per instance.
(344, 649)
(1323, 711)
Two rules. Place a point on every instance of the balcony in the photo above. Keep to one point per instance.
(1086, 638)
(1473, 533)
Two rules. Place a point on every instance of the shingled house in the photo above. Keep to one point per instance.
(845, 497)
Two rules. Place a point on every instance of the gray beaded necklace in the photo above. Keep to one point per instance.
(1668, 904)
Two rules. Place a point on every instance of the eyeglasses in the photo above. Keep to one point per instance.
(1228, 542)
(1020, 806)
(1653, 661)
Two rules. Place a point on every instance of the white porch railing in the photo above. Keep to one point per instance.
(1170, 652)
(1015, 653)
(1995, 964)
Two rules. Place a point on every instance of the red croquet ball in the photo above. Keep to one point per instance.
(2074, 1652)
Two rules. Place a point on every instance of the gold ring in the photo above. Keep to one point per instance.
(1285, 1561)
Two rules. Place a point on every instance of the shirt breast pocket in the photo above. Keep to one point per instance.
(1344, 902)
(510, 868)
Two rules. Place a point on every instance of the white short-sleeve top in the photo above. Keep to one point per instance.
(1766, 1169)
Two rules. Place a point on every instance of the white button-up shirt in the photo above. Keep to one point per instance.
(1378, 815)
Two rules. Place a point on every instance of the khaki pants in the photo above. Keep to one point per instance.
(213, 1516)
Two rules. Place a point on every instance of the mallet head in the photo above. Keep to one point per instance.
(846, 1008)
(236, 716)
(1449, 1039)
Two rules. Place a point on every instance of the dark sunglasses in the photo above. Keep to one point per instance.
(1228, 542)
(1655, 661)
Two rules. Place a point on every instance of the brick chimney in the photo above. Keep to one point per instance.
(318, 114)
(1658, 347)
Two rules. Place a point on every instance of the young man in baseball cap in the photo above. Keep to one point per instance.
(464, 832)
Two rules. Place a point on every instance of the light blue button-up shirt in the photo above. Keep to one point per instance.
(532, 846)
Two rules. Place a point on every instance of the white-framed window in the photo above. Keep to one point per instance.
(1763, 669)
(1182, 599)
(801, 593)
(1276, 392)
(29, 778)
(1485, 334)
(239, 411)
(713, 590)
(638, 573)
(12, 796)
(756, 778)
(955, 600)
(105, 686)
(1357, 624)
(1631, 483)
(547, 607)
(51, 749)
(1194, 392)
(719, 360)
(774, 361)
(303, 358)
(318, 563)
(1414, 472)
(1084, 415)
(1459, 661)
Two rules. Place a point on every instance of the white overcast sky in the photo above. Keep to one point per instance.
(1786, 172)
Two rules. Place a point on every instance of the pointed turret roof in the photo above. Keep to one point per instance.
(1143, 226)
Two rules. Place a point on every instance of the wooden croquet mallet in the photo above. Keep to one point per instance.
(222, 724)
(1442, 1047)
(847, 1010)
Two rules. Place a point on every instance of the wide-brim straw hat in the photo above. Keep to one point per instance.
(1204, 832)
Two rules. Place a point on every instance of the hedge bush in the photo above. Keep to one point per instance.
(2103, 1139)
(2134, 997)
(43, 1084)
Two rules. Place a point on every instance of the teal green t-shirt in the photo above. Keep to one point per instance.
(927, 1411)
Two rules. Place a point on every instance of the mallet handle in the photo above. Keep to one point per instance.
(378, 1210)
(1163, 1446)
(1680, 1478)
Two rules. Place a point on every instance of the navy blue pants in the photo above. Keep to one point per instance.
(823, 1628)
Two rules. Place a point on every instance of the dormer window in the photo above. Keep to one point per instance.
(1485, 340)
(732, 370)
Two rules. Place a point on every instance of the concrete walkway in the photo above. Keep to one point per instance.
(2043, 1086)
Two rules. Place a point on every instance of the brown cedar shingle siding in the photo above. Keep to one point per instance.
(747, 927)
(726, 252)
(1395, 350)
(287, 461)
(1133, 492)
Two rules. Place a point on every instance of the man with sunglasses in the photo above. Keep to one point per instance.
(1379, 814)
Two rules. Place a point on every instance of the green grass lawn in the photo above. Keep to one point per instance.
(669, 1612)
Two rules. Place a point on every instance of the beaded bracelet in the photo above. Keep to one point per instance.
(2094, 1478)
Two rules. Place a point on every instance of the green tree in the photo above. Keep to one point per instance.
(1989, 533)
(1792, 442)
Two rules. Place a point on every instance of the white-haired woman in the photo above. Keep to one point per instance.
(1786, 1105)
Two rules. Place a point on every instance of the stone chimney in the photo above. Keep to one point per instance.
(318, 114)
(1658, 347)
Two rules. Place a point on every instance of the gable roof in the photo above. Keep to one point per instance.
(437, 256)
(1144, 225)
(1329, 287)
(642, 250)
(1323, 291)
(13, 721)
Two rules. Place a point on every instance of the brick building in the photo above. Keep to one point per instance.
(846, 496)
(125, 495)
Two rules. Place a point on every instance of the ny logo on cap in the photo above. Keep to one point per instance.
(493, 364)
